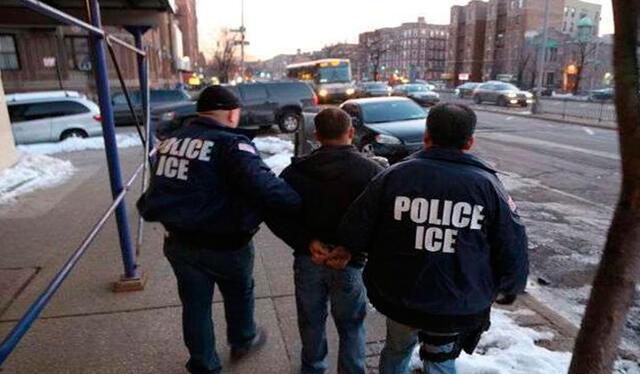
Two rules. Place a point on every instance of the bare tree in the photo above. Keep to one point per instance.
(373, 50)
(583, 49)
(333, 51)
(614, 286)
(225, 61)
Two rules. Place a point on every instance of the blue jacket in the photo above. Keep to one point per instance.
(443, 238)
(209, 183)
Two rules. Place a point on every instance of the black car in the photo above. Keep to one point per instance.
(420, 93)
(390, 127)
(501, 93)
(263, 104)
(122, 113)
(372, 89)
(466, 89)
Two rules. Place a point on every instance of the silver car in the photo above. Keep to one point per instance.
(52, 116)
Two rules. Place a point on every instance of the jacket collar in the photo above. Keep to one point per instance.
(454, 156)
(208, 123)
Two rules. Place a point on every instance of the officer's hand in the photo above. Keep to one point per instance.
(506, 299)
(338, 258)
(319, 252)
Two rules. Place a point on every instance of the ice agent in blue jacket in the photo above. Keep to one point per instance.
(444, 240)
(210, 190)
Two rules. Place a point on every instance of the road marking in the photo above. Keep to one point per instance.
(588, 131)
(530, 141)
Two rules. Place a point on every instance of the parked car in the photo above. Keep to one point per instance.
(390, 127)
(465, 89)
(605, 94)
(263, 105)
(122, 113)
(430, 85)
(419, 93)
(501, 93)
(372, 89)
(52, 116)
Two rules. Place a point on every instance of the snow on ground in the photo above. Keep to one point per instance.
(511, 349)
(32, 172)
(80, 144)
(276, 152)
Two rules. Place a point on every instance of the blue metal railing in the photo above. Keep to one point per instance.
(118, 189)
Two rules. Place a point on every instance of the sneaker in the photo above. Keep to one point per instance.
(256, 343)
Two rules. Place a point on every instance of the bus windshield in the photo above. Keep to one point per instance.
(334, 74)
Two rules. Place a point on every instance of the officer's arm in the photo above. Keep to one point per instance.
(289, 227)
(358, 225)
(509, 246)
(256, 180)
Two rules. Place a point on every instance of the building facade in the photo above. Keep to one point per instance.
(575, 10)
(58, 57)
(414, 50)
(466, 43)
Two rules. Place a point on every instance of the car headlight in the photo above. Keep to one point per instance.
(512, 94)
(168, 116)
(456, 92)
(435, 94)
(350, 91)
(528, 95)
(323, 92)
(387, 139)
(389, 89)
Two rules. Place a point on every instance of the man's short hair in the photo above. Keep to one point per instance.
(332, 123)
(451, 125)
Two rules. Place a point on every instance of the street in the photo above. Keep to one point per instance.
(565, 181)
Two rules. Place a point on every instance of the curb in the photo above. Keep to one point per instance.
(563, 325)
(551, 119)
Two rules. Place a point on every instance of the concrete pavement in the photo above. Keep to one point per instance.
(88, 329)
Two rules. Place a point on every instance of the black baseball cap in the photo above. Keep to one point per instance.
(217, 98)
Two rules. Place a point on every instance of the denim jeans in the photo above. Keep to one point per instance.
(397, 351)
(316, 286)
(197, 271)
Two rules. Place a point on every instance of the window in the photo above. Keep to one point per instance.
(253, 92)
(167, 96)
(552, 54)
(49, 109)
(8, 53)
(78, 57)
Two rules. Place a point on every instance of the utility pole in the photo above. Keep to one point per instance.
(543, 57)
(242, 41)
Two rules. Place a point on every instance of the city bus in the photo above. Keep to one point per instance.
(330, 78)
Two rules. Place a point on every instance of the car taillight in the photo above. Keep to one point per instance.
(315, 99)
(98, 118)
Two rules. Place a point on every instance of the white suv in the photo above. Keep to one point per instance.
(52, 116)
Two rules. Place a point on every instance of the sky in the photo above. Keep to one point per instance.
(283, 26)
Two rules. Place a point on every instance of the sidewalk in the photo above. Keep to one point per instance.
(88, 329)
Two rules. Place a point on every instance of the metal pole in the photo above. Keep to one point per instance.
(143, 76)
(111, 147)
(242, 40)
(543, 56)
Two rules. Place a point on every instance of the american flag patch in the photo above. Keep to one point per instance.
(512, 204)
(246, 147)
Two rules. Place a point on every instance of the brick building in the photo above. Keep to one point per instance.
(46, 56)
(413, 50)
(466, 44)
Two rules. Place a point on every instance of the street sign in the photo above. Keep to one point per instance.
(463, 76)
(49, 62)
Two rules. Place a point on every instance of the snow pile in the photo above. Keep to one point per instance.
(276, 152)
(510, 349)
(32, 171)
(80, 144)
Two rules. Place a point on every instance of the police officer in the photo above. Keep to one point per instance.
(444, 241)
(210, 189)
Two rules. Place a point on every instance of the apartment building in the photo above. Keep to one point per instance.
(413, 50)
